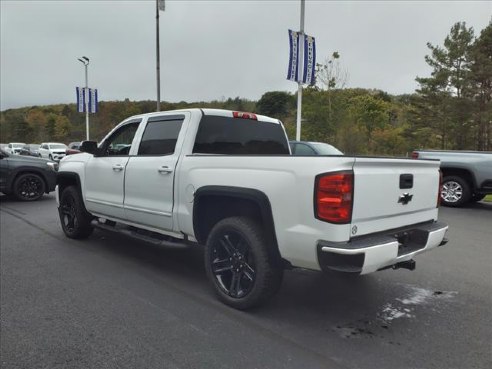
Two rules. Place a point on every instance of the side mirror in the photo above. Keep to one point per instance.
(89, 147)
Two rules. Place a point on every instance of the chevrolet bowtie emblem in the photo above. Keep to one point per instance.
(405, 198)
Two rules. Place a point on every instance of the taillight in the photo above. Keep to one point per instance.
(333, 197)
(415, 155)
(439, 190)
(240, 114)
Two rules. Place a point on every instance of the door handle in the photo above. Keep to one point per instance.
(165, 169)
(117, 167)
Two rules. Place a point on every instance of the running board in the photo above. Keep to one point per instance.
(142, 234)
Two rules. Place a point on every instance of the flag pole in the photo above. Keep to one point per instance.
(299, 83)
(158, 68)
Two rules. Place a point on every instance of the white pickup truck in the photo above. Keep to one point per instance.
(226, 180)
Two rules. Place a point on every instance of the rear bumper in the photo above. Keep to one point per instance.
(367, 254)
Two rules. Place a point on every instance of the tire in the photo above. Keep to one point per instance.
(455, 191)
(74, 218)
(28, 187)
(242, 271)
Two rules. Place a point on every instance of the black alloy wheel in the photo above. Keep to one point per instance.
(233, 265)
(241, 263)
(68, 215)
(29, 187)
(74, 218)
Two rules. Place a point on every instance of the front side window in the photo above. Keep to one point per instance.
(120, 142)
(160, 135)
(238, 136)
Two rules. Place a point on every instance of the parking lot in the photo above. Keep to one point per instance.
(112, 302)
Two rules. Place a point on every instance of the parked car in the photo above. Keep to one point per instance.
(226, 180)
(26, 177)
(30, 150)
(303, 148)
(73, 148)
(15, 147)
(53, 150)
(467, 175)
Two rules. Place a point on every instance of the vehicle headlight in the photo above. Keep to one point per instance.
(52, 166)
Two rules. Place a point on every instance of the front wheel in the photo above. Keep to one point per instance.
(74, 218)
(29, 187)
(455, 191)
(244, 274)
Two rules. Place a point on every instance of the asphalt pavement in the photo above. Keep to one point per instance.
(114, 302)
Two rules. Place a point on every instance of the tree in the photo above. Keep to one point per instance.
(330, 75)
(62, 128)
(481, 87)
(444, 92)
(274, 103)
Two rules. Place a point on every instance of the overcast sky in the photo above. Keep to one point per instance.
(212, 49)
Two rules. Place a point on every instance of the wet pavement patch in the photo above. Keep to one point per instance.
(401, 307)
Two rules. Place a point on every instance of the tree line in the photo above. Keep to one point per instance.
(451, 109)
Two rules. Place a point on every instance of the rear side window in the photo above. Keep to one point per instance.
(237, 136)
(160, 135)
(303, 149)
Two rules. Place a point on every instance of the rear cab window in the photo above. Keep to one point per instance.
(238, 136)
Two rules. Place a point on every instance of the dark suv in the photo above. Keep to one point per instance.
(26, 177)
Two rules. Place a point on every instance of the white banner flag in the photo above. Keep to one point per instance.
(308, 76)
(92, 100)
(80, 99)
(293, 71)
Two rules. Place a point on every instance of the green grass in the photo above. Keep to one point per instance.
(488, 198)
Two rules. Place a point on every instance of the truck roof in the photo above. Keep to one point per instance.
(208, 111)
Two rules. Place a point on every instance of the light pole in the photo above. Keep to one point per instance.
(299, 84)
(85, 60)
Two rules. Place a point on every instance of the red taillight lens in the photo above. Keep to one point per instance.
(240, 114)
(439, 190)
(333, 197)
(415, 155)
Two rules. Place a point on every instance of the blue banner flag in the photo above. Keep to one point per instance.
(308, 75)
(293, 71)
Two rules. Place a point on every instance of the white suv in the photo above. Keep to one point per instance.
(53, 150)
(14, 147)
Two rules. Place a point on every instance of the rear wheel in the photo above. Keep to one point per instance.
(237, 261)
(28, 187)
(75, 220)
(455, 191)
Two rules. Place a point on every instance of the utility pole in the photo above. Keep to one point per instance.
(299, 83)
(85, 60)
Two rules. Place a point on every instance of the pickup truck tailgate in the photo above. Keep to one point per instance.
(391, 193)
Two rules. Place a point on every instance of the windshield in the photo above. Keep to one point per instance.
(18, 145)
(58, 146)
(325, 149)
(32, 147)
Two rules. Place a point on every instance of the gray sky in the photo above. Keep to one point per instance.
(212, 49)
